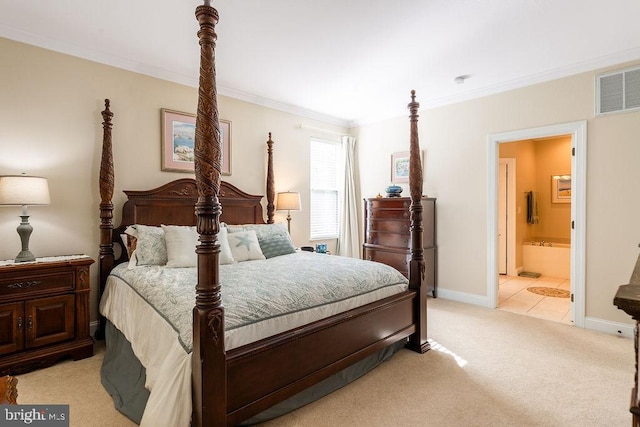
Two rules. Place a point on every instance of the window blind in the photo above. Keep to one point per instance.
(325, 194)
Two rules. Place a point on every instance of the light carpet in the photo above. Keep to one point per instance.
(486, 368)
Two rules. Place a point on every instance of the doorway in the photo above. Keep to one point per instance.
(537, 282)
(577, 133)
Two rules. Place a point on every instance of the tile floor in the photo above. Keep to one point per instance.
(513, 296)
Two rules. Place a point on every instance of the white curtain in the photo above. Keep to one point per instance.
(348, 240)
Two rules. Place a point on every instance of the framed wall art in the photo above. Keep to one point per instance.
(561, 188)
(400, 166)
(178, 142)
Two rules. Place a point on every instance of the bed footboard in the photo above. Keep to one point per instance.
(265, 373)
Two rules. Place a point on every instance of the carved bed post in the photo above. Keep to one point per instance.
(106, 207)
(418, 340)
(271, 192)
(209, 377)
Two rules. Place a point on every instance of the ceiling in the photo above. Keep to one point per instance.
(342, 61)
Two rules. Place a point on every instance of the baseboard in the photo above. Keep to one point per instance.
(467, 298)
(609, 327)
(600, 325)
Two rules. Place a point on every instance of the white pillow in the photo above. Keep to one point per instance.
(181, 246)
(244, 246)
(226, 256)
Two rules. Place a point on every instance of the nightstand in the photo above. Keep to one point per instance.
(44, 312)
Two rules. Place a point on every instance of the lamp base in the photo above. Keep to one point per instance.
(25, 256)
(24, 230)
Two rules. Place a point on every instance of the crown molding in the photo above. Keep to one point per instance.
(192, 81)
(592, 65)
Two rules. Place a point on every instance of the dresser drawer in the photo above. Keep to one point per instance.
(397, 260)
(35, 284)
(401, 227)
(395, 240)
(397, 214)
(401, 203)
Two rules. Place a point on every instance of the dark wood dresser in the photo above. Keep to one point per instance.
(387, 235)
(44, 313)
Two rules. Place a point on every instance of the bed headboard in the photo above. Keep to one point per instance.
(174, 204)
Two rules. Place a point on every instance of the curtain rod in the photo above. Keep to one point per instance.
(303, 126)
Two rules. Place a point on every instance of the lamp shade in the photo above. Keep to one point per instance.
(24, 190)
(288, 201)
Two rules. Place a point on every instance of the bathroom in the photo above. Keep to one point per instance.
(535, 226)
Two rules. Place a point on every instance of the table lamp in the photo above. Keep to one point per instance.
(23, 190)
(288, 201)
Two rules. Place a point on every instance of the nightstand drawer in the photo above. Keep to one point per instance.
(41, 283)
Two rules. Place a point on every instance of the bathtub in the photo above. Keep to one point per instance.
(551, 261)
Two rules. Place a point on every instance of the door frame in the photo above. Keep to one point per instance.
(578, 132)
(511, 214)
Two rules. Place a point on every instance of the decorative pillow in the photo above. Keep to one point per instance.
(181, 245)
(150, 246)
(244, 246)
(274, 239)
(130, 239)
(128, 244)
(226, 257)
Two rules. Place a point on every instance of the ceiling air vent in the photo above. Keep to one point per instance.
(618, 91)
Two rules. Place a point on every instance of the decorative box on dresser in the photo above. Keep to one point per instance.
(388, 235)
(44, 312)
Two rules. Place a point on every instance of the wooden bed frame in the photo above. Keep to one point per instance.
(231, 386)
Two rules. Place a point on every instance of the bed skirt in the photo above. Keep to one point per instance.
(123, 376)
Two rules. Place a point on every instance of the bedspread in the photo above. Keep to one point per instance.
(258, 290)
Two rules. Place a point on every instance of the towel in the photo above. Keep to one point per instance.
(532, 207)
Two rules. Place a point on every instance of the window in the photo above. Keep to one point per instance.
(326, 168)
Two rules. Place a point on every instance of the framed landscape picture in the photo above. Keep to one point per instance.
(178, 142)
(561, 188)
(400, 166)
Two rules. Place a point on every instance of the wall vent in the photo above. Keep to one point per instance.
(618, 91)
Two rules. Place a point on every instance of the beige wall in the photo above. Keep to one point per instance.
(454, 139)
(50, 125)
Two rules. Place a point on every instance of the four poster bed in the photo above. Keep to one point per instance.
(232, 376)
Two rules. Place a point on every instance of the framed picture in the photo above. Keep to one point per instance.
(561, 188)
(178, 142)
(400, 166)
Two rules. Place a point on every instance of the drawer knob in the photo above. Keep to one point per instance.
(20, 324)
